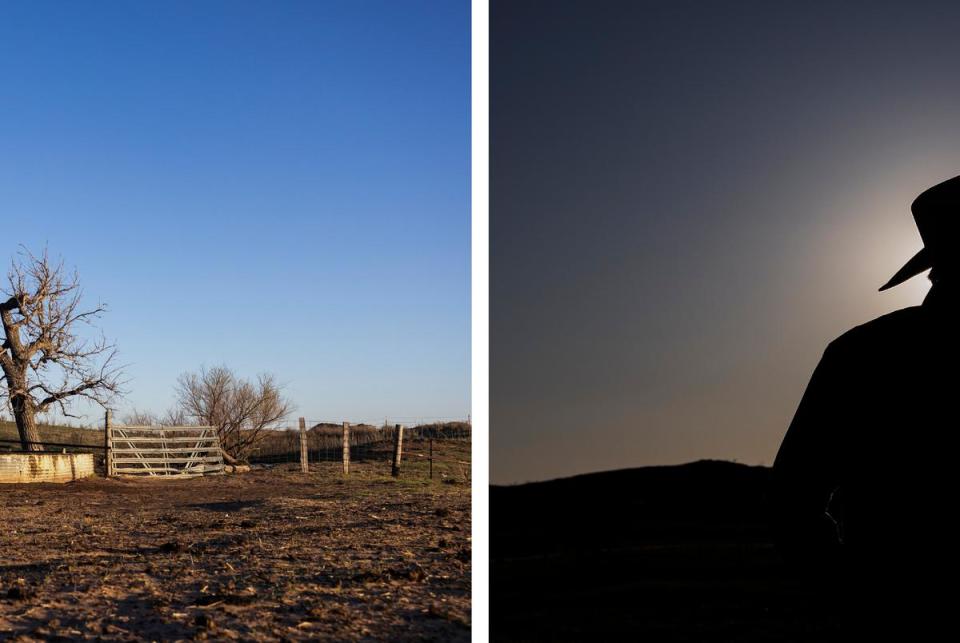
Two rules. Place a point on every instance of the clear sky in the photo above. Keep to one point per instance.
(689, 200)
(275, 186)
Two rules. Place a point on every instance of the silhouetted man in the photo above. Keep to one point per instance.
(866, 478)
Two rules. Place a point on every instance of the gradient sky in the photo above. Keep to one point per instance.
(277, 186)
(689, 200)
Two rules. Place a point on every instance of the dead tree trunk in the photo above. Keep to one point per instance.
(25, 417)
(15, 374)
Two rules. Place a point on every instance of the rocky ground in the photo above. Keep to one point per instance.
(273, 554)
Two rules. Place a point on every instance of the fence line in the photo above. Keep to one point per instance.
(326, 442)
(345, 443)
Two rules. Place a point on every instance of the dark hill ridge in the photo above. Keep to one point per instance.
(667, 553)
(680, 479)
(705, 499)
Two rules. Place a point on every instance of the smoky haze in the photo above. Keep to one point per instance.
(688, 202)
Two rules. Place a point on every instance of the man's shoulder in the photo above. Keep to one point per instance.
(891, 326)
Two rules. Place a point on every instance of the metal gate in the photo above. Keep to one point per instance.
(183, 451)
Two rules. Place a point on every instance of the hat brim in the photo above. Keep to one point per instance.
(917, 264)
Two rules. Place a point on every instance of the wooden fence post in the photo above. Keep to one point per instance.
(107, 446)
(397, 449)
(431, 458)
(304, 462)
(346, 448)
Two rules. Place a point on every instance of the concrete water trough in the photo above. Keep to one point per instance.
(44, 467)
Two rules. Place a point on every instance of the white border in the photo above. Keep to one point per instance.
(480, 24)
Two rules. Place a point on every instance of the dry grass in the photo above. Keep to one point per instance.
(52, 433)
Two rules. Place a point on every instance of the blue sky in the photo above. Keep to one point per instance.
(277, 186)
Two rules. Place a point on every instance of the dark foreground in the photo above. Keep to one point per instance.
(656, 554)
(267, 555)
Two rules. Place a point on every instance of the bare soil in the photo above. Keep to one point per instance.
(273, 554)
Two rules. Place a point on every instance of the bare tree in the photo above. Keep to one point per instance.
(240, 410)
(175, 416)
(172, 417)
(139, 418)
(45, 363)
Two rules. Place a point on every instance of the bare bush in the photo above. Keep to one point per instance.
(175, 416)
(45, 363)
(172, 417)
(240, 410)
(139, 418)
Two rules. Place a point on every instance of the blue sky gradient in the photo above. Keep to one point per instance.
(688, 202)
(279, 187)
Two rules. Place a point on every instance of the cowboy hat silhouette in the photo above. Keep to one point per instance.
(934, 212)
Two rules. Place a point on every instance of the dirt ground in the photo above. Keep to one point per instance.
(272, 554)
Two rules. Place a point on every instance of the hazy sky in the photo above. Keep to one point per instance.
(278, 186)
(689, 200)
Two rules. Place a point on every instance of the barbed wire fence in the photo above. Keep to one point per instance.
(430, 447)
